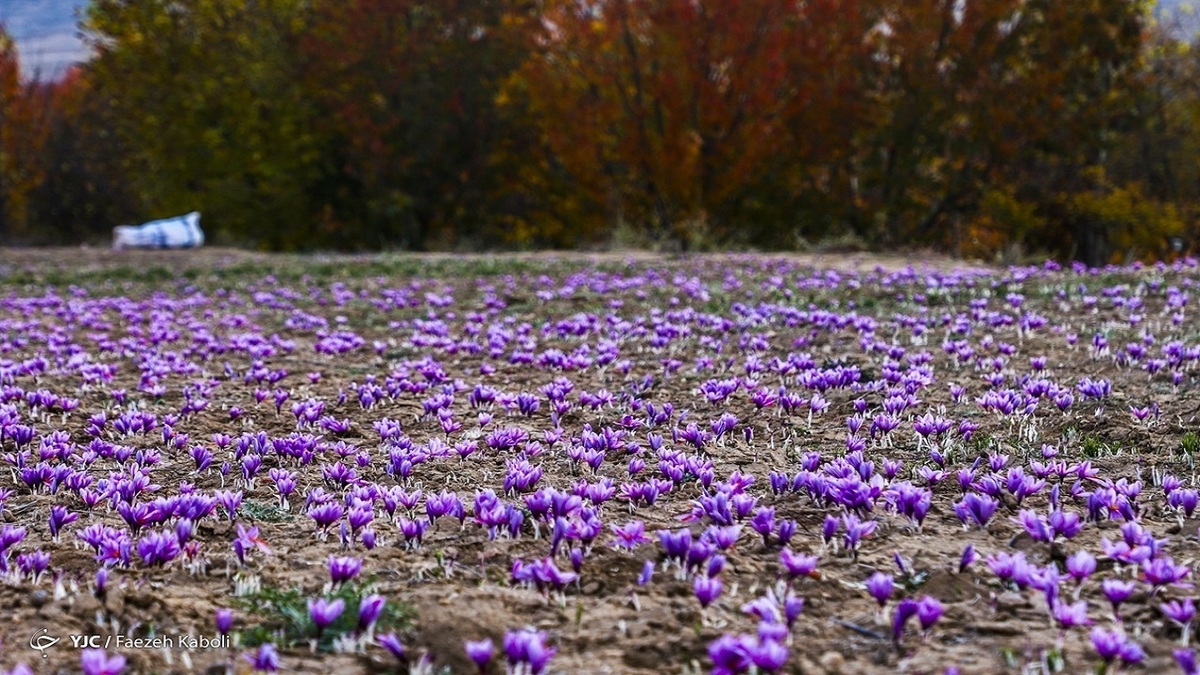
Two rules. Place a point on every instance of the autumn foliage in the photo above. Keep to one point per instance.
(982, 127)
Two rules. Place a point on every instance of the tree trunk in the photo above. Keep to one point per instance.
(1092, 244)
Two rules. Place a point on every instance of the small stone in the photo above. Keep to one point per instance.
(1010, 601)
(140, 600)
(39, 598)
(833, 663)
(591, 588)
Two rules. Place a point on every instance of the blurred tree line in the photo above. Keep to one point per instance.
(980, 127)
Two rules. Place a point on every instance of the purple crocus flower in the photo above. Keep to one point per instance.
(390, 642)
(266, 659)
(725, 537)
(856, 529)
(968, 558)
(769, 656)
(1108, 643)
(676, 544)
(799, 564)
(98, 662)
(1064, 524)
(829, 528)
(326, 514)
(929, 610)
(158, 548)
(716, 565)
(60, 516)
(1080, 565)
(33, 563)
(1162, 571)
(707, 588)
(880, 586)
(369, 609)
(1117, 592)
(905, 610)
(787, 530)
(792, 607)
(224, 621)
(976, 508)
(763, 523)
(529, 647)
(1034, 526)
(1132, 652)
(1180, 611)
(247, 539)
(10, 536)
(230, 501)
(1186, 658)
(729, 656)
(647, 573)
(630, 535)
(361, 516)
(324, 612)
(1071, 615)
(480, 652)
(343, 569)
(100, 587)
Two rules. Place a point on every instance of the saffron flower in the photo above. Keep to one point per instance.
(480, 653)
(247, 539)
(929, 610)
(98, 662)
(390, 642)
(369, 610)
(1181, 612)
(158, 548)
(707, 589)
(1071, 615)
(1186, 658)
(647, 573)
(1117, 592)
(880, 586)
(224, 621)
(265, 659)
(1080, 565)
(60, 516)
(324, 612)
(968, 558)
(630, 535)
(528, 647)
(343, 569)
(326, 514)
(905, 610)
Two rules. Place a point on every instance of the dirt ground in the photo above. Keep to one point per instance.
(652, 330)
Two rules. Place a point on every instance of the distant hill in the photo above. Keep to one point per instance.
(49, 42)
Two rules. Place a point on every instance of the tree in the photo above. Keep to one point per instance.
(973, 94)
(410, 93)
(206, 97)
(1156, 158)
(84, 190)
(22, 132)
(669, 112)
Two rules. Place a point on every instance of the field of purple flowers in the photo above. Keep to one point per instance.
(226, 462)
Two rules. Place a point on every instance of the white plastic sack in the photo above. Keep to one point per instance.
(178, 232)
